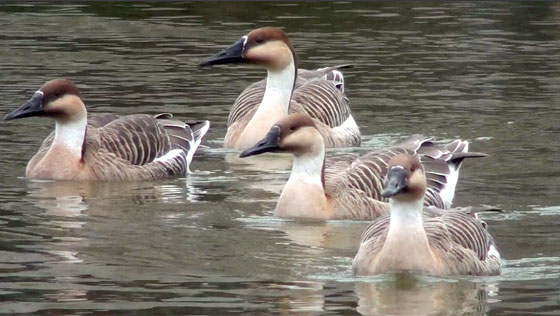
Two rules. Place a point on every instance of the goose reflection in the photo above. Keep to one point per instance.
(304, 298)
(86, 223)
(272, 162)
(407, 295)
(342, 235)
(66, 203)
(71, 198)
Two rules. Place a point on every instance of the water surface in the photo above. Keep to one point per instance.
(209, 244)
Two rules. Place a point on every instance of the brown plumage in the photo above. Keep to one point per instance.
(111, 148)
(349, 186)
(317, 93)
(411, 239)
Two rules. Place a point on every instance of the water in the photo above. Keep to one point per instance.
(486, 72)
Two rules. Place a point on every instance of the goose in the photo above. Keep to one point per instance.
(318, 93)
(349, 186)
(408, 239)
(106, 147)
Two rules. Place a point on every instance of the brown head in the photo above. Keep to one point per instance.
(57, 98)
(266, 46)
(405, 180)
(296, 134)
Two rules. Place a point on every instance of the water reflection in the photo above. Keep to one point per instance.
(70, 198)
(341, 235)
(263, 163)
(303, 298)
(68, 205)
(487, 72)
(407, 295)
(58, 198)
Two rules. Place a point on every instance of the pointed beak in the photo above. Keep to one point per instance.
(396, 182)
(232, 54)
(33, 107)
(269, 143)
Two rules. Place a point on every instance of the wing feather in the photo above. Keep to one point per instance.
(362, 177)
(462, 230)
(142, 147)
(456, 237)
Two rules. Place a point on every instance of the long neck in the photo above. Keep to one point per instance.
(70, 135)
(406, 246)
(304, 194)
(273, 107)
(309, 166)
(279, 88)
(406, 216)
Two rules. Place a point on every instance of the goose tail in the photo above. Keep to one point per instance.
(199, 129)
(442, 164)
(185, 136)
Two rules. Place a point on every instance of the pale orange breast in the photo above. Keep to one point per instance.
(57, 164)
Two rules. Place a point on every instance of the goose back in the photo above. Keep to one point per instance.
(355, 182)
(135, 147)
(318, 93)
(97, 120)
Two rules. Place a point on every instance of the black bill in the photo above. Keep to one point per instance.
(396, 182)
(269, 143)
(232, 54)
(33, 107)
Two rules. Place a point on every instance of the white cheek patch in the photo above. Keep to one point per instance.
(245, 38)
(39, 92)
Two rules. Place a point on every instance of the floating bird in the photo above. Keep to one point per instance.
(317, 93)
(349, 186)
(106, 147)
(448, 243)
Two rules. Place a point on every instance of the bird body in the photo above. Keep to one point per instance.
(317, 93)
(106, 147)
(348, 186)
(410, 239)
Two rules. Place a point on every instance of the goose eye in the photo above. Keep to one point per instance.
(293, 128)
(259, 41)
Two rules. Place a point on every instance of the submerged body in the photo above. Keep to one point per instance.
(106, 147)
(318, 93)
(446, 243)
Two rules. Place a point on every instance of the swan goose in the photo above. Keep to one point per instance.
(106, 147)
(349, 186)
(318, 93)
(449, 243)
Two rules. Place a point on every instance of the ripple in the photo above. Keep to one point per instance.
(208, 243)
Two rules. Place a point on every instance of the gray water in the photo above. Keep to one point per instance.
(209, 244)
